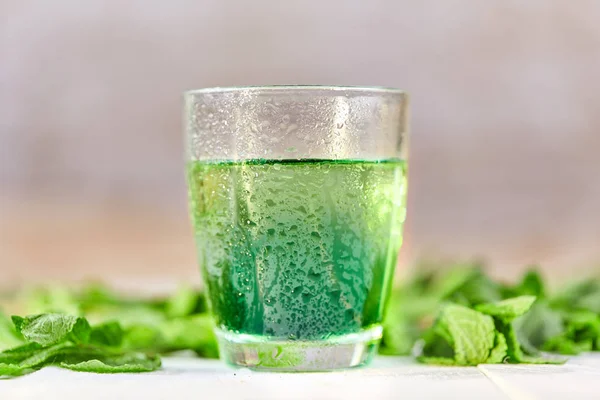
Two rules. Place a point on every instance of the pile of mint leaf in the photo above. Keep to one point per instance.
(446, 316)
(461, 316)
(97, 330)
(70, 342)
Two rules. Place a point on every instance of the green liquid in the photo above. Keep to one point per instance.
(297, 249)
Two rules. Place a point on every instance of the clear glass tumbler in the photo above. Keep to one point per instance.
(297, 198)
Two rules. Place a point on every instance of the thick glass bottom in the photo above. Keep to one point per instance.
(264, 354)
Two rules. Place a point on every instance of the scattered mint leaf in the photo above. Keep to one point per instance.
(469, 333)
(499, 352)
(12, 370)
(478, 288)
(504, 313)
(107, 334)
(509, 309)
(580, 334)
(141, 337)
(20, 353)
(8, 335)
(40, 357)
(532, 285)
(185, 301)
(195, 333)
(537, 326)
(70, 342)
(582, 296)
(48, 329)
(564, 345)
(513, 347)
(116, 364)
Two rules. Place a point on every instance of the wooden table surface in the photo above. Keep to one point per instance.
(387, 378)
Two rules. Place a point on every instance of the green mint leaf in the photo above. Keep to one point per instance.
(472, 334)
(537, 326)
(514, 351)
(107, 334)
(478, 288)
(20, 353)
(580, 334)
(469, 333)
(499, 352)
(564, 345)
(49, 329)
(508, 309)
(8, 335)
(399, 334)
(12, 370)
(195, 332)
(591, 302)
(583, 326)
(44, 355)
(532, 285)
(584, 295)
(107, 364)
(142, 337)
(182, 303)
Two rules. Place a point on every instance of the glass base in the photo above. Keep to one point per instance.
(263, 354)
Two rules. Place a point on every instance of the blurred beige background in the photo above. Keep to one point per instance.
(505, 126)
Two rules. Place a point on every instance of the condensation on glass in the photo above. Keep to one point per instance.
(297, 198)
(296, 122)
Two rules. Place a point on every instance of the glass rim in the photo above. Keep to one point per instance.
(296, 88)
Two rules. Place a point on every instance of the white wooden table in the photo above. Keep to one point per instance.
(387, 378)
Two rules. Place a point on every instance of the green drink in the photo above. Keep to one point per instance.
(297, 249)
(297, 198)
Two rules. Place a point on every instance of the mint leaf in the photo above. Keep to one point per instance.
(141, 337)
(195, 333)
(477, 288)
(564, 345)
(581, 296)
(8, 335)
(504, 312)
(11, 370)
(508, 309)
(532, 284)
(70, 342)
(537, 326)
(48, 329)
(499, 352)
(107, 364)
(468, 333)
(107, 334)
(581, 334)
(513, 351)
(42, 356)
(185, 301)
(20, 353)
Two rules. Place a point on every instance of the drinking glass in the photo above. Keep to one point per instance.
(297, 200)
